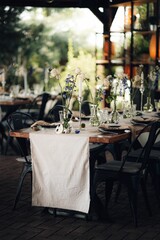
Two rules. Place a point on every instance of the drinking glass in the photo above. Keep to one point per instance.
(103, 116)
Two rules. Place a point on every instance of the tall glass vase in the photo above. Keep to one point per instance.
(94, 120)
(114, 115)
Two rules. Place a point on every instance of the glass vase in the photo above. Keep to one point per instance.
(148, 107)
(94, 119)
(65, 120)
(66, 126)
(114, 115)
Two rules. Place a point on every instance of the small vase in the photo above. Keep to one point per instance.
(66, 126)
(94, 120)
(114, 115)
(65, 120)
(148, 107)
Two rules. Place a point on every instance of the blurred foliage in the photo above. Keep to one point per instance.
(37, 38)
(11, 34)
(141, 45)
(84, 61)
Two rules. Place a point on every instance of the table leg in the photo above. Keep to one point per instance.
(96, 207)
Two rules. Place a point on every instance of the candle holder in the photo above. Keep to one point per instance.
(3, 81)
(25, 83)
(141, 91)
(3, 87)
(80, 111)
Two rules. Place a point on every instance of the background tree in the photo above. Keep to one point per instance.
(36, 38)
(10, 34)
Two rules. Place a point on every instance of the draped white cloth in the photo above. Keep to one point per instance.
(60, 170)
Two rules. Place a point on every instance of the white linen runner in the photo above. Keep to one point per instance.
(60, 170)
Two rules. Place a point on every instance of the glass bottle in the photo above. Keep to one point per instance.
(94, 119)
(148, 107)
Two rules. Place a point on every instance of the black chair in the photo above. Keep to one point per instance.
(153, 169)
(36, 110)
(156, 146)
(37, 107)
(86, 108)
(53, 114)
(131, 174)
(2, 137)
(16, 121)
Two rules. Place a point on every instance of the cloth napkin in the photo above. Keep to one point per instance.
(60, 171)
(43, 124)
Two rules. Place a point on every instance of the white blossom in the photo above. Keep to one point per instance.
(82, 76)
(78, 71)
(55, 73)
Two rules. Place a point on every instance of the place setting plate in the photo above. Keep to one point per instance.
(142, 120)
(112, 128)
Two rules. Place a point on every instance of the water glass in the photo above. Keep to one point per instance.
(14, 90)
(103, 116)
(157, 105)
(133, 110)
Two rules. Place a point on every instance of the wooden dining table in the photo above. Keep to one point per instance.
(47, 162)
(98, 137)
(45, 146)
(14, 102)
(95, 137)
(9, 105)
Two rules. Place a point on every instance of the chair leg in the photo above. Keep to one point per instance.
(26, 169)
(119, 187)
(156, 183)
(2, 131)
(7, 144)
(10, 142)
(97, 207)
(95, 204)
(108, 191)
(132, 194)
(1, 143)
(156, 180)
(143, 186)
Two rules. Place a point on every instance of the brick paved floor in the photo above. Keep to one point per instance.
(27, 222)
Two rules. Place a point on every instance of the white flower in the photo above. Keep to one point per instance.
(114, 86)
(121, 76)
(109, 78)
(78, 71)
(55, 73)
(137, 81)
(20, 71)
(152, 76)
(82, 76)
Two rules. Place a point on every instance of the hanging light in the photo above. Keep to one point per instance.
(152, 47)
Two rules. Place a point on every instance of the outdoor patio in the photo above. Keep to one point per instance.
(27, 222)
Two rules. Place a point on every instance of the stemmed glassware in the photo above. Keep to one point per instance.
(80, 111)
(3, 81)
(142, 90)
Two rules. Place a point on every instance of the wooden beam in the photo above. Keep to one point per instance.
(98, 14)
(56, 3)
